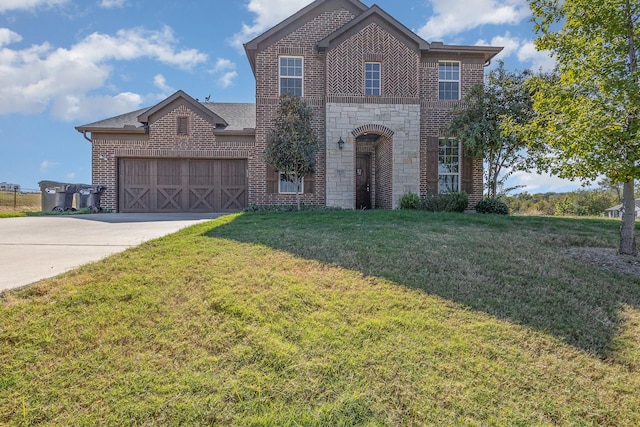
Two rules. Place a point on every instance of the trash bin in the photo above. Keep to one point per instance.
(89, 197)
(70, 191)
(60, 197)
(83, 195)
(55, 196)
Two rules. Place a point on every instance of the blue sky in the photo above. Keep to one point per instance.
(65, 63)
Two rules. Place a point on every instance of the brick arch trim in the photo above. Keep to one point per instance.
(371, 128)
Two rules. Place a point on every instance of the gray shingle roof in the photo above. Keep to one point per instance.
(620, 206)
(118, 122)
(239, 116)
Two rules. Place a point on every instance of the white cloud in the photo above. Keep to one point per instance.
(454, 16)
(76, 107)
(46, 165)
(541, 183)
(524, 50)
(268, 13)
(225, 69)
(6, 5)
(41, 76)
(509, 43)
(161, 83)
(227, 79)
(110, 4)
(137, 43)
(71, 175)
(223, 64)
(539, 60)
(7, 37)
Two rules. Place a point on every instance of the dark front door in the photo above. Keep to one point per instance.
(363, 181)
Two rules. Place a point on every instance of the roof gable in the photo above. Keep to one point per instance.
(296, 21)
(177, 98)
(375, 14)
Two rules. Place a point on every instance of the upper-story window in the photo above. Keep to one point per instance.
(291, 75)
(372, 78)
(448, 165)
(449, 81)
(183, 126)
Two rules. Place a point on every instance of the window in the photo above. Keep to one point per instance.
(183, 126)
(291, 75)
(372, 79)
(448, 165)
(287, 184)
(449, 81)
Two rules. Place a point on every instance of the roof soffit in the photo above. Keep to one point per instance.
(178, 98)
(452, 51)
(376, 15)
(296, 21)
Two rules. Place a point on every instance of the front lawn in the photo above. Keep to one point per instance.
(332, 319)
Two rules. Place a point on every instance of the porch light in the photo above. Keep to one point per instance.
(340, 143)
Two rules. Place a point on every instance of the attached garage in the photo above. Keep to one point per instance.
(182, 185)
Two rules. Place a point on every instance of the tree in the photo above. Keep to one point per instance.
(486, 120)
(292, 143)
(587, 111)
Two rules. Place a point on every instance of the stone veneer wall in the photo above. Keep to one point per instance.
(162, 141)
(402, 120)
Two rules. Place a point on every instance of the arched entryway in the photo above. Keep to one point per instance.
(374, 167)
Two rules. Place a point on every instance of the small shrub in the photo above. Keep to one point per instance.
(492, 206)
(456, 201)
(410, 201)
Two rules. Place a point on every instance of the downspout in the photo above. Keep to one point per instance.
(84, 133)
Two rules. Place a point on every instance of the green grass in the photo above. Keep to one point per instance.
(9, 214)
(331, 319)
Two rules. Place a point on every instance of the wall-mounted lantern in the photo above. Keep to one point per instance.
(340, 143)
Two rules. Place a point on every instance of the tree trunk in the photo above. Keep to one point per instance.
(627, 230)
(297, 184)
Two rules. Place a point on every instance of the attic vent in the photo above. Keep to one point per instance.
(183, 126)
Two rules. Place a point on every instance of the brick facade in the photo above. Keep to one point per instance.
(399, 129)
(301, 42)
(163, 141)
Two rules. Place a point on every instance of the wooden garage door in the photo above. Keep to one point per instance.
(182, 185)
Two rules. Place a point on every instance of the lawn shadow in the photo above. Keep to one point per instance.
(511, 268)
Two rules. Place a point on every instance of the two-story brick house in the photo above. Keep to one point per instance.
(381, 98)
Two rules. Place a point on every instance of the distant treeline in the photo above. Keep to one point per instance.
(577, 203)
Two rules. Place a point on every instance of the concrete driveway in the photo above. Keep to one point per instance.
(35, 248)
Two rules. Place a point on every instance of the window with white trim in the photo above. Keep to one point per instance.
(291, 75)
(449, 81)
(287, 183)
(448, 165)
(372, 78)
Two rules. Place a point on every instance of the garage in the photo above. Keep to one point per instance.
(182, 185)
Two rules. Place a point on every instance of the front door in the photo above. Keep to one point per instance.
(363, 181)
